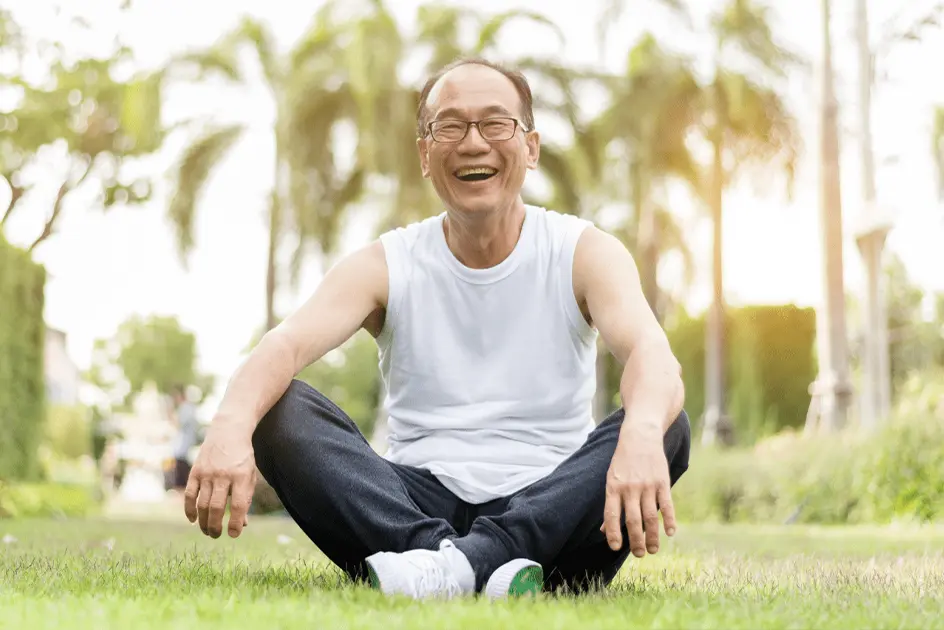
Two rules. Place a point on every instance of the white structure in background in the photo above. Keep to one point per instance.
(61, 374)
(148, 442)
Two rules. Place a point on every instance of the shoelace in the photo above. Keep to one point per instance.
(434, 578)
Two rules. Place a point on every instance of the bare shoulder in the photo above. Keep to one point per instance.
(600, 258)
(365, 272)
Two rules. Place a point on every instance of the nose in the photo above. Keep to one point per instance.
(473, 142)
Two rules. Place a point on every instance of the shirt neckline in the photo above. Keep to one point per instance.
(496, 272)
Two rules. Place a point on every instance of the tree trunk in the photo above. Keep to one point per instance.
(647, 252)
(275, 212)
(876, 381)
(717, 426)
(833, 380)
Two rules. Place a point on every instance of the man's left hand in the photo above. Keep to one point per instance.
(637, 487)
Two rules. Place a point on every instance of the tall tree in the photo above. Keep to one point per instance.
(312, 95)
(156, 350)
(90, 122)
(652, 111)
(937, 148)
(747, 124)
(832, 386)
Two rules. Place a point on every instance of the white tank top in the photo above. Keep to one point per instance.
(490, 373)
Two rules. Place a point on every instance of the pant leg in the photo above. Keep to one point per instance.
(556, 520)
(346, 498)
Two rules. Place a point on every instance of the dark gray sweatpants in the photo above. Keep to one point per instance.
(352, 503)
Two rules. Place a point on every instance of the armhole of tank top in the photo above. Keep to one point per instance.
(568, 248)
(393, 251)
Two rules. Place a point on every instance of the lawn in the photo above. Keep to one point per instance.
(104, 574)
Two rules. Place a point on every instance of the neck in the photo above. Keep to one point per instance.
(484, 239)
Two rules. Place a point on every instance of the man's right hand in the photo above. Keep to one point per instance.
(225, 468)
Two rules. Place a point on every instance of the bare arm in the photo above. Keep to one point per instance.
(606, 283)
(348, 294)
(226, 466)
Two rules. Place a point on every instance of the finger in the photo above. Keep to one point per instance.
(631, 506)
(650, 519)
(203, 504)
(190, 496)
(611, 520)
(668, 510)
(239, 506)
(221, 489)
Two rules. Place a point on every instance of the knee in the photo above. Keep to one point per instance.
(277, 427)
(678, 446)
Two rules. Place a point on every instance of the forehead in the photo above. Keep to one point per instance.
(473, 90)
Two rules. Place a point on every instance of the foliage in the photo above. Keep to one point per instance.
(68, 431)
(22, 384)
(90, 114)
(155, 349)
(772, 362)
(916, 333)
(45, 500)
(895, 474)
(349, 377)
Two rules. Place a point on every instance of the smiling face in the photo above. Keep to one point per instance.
(476, 175)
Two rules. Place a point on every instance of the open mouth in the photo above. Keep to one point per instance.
(476, 174)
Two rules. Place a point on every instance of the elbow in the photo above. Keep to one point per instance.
(280, 346)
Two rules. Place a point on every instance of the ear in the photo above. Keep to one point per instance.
(422, 145)
(533, 141)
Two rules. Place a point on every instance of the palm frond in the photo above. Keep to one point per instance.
(488, 34)
(190, 177)
(613, 10)
(746, 23)
(257, 34)
(319, 40)
(220, 59)
(760, 130)
(559, 169)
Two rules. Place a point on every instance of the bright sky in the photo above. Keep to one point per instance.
(103, 268)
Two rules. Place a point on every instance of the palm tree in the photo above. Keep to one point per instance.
(746, 124)
(832, 384)
(313, 95)
(938, 147)
(652, 110)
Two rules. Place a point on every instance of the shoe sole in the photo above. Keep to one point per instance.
(517, 578)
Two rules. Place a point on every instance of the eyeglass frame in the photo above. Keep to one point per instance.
(470, 123)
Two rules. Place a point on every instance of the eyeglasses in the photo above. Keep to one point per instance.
(493, 129)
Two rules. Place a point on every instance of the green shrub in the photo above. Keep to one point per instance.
(770, 365)
(45, 500)
(895, 474)
(22, 386)
(68, 431)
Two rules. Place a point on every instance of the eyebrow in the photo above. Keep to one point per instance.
(453, 112)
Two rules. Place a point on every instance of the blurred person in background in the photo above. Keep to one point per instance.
(497, 480)
(188, 435)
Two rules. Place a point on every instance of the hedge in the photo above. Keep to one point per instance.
(770, 363)
(22, 385)
(895, 474)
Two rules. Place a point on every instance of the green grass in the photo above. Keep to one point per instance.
(100, 574)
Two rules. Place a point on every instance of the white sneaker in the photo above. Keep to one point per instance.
(423, 574)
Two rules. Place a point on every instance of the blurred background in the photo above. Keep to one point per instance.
(176, 177)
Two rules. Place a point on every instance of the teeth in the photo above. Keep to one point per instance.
(463, 172)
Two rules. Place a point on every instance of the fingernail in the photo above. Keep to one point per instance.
(671, 531)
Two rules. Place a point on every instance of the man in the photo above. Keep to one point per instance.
(185, 415)
(496, 480)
